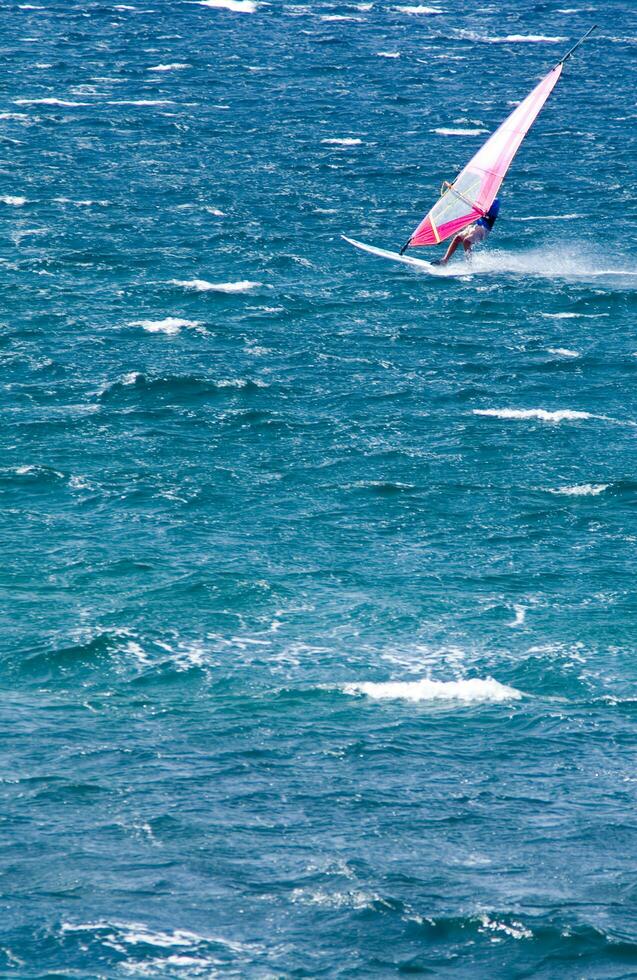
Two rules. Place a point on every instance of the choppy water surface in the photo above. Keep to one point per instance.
(318, 616)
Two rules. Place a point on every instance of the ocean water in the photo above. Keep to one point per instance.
(318, 573)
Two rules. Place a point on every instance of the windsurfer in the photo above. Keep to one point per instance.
(473, 235)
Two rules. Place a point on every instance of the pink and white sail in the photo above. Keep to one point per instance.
(475, 188)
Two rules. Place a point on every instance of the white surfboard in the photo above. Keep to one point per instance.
(421, 264)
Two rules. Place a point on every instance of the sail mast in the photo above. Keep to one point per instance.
(576, 46)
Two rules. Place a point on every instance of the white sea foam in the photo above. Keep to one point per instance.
(563, 352)
(472, 690)
(216, 212)
(344, 141)
(17, 236)
(564, 263)
(80, 483)
(355, 899)
(388, 54)
(136, 650)
(544, 217)
(520, 616)
(203, 286)
(560, 316)
(582, 490)
(240, 383)
(49, 101)
(563, 415)
(141, 102)
(177, 964)
(31, 469)
(237, 6)
(573, 316)
(442, 131)
(134, 933)
(13, 115)
(418, 10)
(516, 930)
(170, 325)
(16, 202)
(525, 38)
(81, 204)
(176, 66)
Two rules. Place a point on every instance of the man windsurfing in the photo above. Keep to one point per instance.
(473, 192)
(473, 235)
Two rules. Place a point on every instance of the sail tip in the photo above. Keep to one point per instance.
(576, 46)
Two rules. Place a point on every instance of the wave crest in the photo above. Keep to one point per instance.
(236, 6)
(582, 490)
(468, 691)
(134, 385)
(203, 286)
(170, 325)
(562, 415)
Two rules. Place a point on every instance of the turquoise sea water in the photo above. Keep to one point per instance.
(318, 610)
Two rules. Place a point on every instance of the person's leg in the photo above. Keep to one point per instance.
(454, 245)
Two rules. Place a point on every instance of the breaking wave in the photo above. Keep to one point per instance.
(442, 131)
(15, 202)
(203, 286)
(175, 66)
(35, 473)
(236, 6)
(176, 387)
(154, 952)
(581, 490)
(169, 325)
(563, 415)
(418, 10)
(545, 217)
(141, 102)
(50, 100)
(524, 39)
(469, 691)
(573, 316)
